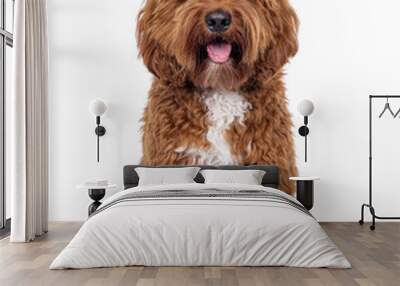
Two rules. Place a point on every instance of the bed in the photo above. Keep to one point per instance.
(198, 224)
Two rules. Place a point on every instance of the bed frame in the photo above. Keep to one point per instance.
(271, 178)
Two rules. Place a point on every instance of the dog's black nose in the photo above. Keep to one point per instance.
(218, 21)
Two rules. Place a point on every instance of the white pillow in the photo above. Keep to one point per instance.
(246, 177)
(166, 176)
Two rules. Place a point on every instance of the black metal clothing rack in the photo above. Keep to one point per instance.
(370, 204)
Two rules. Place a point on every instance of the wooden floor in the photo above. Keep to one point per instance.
(375, 257)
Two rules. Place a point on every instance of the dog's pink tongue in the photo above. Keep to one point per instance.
(219, 53)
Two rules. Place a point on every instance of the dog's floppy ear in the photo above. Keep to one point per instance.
(149, 36)
(283, 44)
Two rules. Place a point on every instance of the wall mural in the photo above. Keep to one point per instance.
(218, 97)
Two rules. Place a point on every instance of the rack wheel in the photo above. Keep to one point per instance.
(372, 227)
(361, 222)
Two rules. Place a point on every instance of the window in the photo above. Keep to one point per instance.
(6, 44)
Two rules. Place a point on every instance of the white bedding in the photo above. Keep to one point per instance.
(193, 231)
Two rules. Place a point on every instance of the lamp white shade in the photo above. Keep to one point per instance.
(97, 107)
(306, 107)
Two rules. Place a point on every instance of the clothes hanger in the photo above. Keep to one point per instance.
(387, 107)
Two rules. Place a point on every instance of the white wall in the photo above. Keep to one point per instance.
(349, 49)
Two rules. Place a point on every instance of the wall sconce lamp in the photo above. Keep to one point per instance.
(97, 107)
(305, 108)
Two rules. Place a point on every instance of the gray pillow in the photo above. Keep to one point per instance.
(166, 176)
(246, 177)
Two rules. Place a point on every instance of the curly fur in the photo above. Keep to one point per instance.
(171, 34)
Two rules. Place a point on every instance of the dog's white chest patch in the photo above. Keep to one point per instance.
(223, 109)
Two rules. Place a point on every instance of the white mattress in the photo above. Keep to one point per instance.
(195, 231)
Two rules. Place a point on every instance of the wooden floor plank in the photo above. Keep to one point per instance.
(375, 257)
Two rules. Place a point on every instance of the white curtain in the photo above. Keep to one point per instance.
(28, 148)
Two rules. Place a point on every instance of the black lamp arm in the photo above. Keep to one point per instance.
(304, 131)
(100, 131)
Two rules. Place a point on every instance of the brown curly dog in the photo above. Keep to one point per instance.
(218, 96)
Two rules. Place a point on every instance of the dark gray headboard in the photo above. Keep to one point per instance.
(271, 178)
